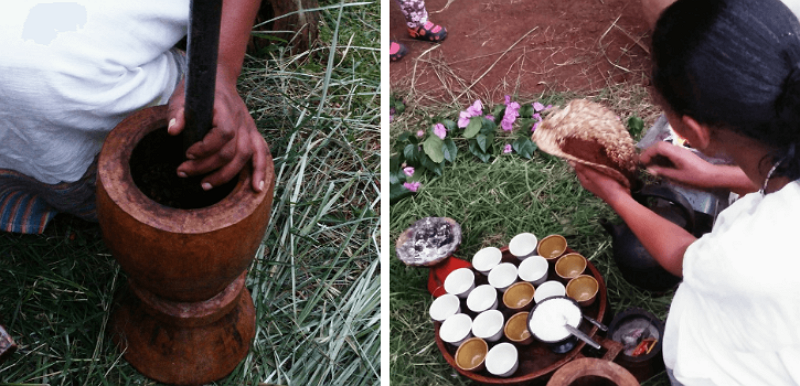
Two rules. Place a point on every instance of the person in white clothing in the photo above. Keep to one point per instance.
(727, 74)
(71, 70)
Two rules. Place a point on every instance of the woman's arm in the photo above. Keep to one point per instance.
(666, 241)
(233, 140)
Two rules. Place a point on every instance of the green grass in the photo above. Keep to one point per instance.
(493, 202)
(315, 280)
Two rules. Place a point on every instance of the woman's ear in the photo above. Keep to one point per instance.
(698, 135)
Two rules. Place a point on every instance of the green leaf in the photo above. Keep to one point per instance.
(475, 149)
(436, 168)
(526, 111)
(410, 153)
(635, 125)
(403, 137)
(474, 127)
(526, 123)
(485, 141)
(433, 148)
(487, 126)
(397, 177)
(398, 191)
(450, 150)
(449, 124)
(524, 147)
(481, 139)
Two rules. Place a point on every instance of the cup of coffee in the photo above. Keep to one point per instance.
(486, 259)
(552, 247)
(523, 245)
(533, 270)
(549, 289)
(502, 360)
(583, 289)
(482, 298)
(516, 329)
(471, 355)
(570, 266)
(488, 325)
(456, 329)
(519, 296)
(444, 307)
(460, 282)
(502, 276)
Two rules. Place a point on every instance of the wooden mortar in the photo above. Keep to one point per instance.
(185, 317)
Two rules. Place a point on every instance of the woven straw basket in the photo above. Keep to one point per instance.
(588, 133)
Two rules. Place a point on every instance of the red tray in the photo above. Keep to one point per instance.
(536, 362)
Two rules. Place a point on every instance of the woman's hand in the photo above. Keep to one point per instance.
(678, 164)
(684, 167)
(232, 142)
(602, 185)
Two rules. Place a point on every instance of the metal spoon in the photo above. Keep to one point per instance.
(582, 336)
(599, 325)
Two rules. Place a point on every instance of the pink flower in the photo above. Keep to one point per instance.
(408, 171)
(412, 186)
(548, 107)
(507, 149)
(508, 100)
(538, 106)
(507, 124)
(535, 126)
(463, 119)
(511, 114)
(439, 130)
(538, 117)
(489, 117)
(476, 109)
(420, 133)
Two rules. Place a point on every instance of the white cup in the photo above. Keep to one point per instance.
(460, 282)
(486, 259)
(549, 289)
(482, 298)
(456, 329)
(534, 270)
(488, 325)
(502, 276)
(502, 360)
(444, 307)
(523, 245)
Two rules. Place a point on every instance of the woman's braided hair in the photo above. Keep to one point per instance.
(734, 64)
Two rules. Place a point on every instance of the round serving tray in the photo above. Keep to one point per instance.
(536, 362)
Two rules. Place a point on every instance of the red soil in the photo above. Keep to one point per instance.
(577, 45)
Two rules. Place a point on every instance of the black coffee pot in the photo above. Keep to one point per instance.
(637, 266)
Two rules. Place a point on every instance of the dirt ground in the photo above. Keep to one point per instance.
(524, 47)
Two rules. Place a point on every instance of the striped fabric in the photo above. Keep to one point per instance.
(27, 205)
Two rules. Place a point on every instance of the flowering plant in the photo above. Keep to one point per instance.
(476, 127)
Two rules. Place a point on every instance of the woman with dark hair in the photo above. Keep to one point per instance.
(727, 73)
